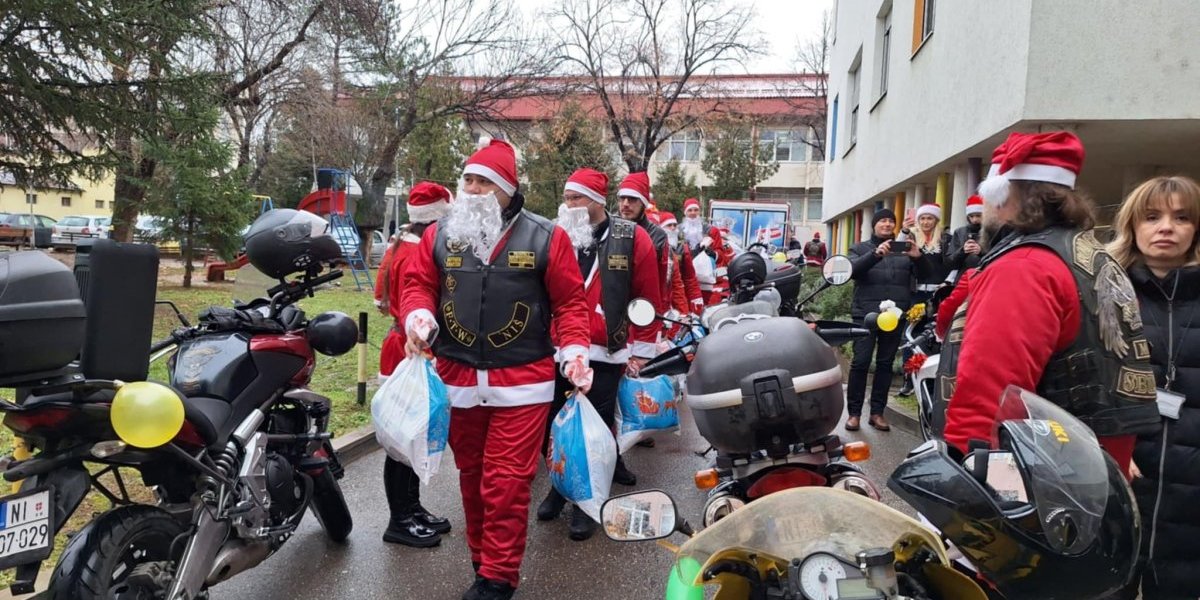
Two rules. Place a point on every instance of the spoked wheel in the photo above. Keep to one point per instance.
(99, 560)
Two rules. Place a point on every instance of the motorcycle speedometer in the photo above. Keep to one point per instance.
(819, 575)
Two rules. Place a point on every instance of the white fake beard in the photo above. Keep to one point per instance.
(578, 225)
(994, 190)
(475, 220)
(693, 230)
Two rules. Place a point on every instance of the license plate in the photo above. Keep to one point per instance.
(26, 527)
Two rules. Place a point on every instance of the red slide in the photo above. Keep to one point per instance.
(216, 270)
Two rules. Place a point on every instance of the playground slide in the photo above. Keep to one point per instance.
(216, 270)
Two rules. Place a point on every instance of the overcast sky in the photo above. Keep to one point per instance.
(782, 23)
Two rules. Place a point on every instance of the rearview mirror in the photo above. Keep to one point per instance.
(837, 269)
(639, 516)
(640, 312)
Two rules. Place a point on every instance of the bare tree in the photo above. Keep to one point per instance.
(647, 61)
(812, 101)
(432, 60)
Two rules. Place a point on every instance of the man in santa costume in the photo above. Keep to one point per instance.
(693, 225)
(713, 245)
(617, 261)
(1049, 309)
(964, 251)
(689, 287)
(410, 523)
(485, 287)
(633, 202)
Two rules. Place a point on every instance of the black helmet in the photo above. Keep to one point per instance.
(332, 333)
(285, 241)
(1047, 514)
(747, 268)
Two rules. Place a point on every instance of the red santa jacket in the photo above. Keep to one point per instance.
(508, 386)
(394, 262)
(949, 306)
(1032, 287)
(643, 284)
(384, 263)
(691, 286)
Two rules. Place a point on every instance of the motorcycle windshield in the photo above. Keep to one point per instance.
(250, 283)
(798, 522)
(1062, 465)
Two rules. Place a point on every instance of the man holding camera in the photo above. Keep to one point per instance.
(964, 251)
(883, 270)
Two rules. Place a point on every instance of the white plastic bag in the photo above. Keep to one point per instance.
(411, 411)
(582, 455)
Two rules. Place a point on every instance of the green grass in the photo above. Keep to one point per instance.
(335, 377)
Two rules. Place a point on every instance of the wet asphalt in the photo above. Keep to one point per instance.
(310, 567)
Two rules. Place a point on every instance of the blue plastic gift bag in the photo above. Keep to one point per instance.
(645, 407)
(411, 411)
(582, 455)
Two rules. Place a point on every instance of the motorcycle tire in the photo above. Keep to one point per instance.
(97, 560)
(329, 506)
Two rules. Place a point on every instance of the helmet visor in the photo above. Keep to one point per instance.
(1063, 465)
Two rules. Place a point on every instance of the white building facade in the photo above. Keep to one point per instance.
(922, 91)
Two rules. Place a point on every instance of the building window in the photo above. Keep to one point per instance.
(923, 12)
(885, 51)
(685, 146)
(814, 208)
(833, 129)
(30, 198)
(100, 204)
(112, 204)
(785, 145)
(854, 85)
(66, 201)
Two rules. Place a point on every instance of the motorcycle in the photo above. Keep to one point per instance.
(922, 367)
(765, 391)
(235, 451)
(1038, 511)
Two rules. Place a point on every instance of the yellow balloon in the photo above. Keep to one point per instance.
(887, 321)
(779, 257)
(146, 415)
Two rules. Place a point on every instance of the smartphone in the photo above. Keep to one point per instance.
(974, 237)
(910, 214)
(899, 247)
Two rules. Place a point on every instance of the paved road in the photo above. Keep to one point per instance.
(310, 567)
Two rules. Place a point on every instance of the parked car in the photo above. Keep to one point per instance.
(75, 227)
(26, 229)
(148, 230)
(378, 247)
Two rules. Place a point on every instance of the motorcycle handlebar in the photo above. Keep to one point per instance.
(839, 336)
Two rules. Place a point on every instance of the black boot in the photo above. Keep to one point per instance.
(622, 474)
(487, 589)
(407, 531)
(582, 526)
(552, 506)
(439, 524)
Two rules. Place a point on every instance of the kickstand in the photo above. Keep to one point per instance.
(704, 453)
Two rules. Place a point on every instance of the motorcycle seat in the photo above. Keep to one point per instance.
(208, 415)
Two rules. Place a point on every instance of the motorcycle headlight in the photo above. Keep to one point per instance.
(857, 484)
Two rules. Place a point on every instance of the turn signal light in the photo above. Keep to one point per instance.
(707, 479)
(856, 451)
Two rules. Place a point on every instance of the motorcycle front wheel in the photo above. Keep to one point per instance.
(97, 562)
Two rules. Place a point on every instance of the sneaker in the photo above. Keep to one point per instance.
(622, 474)
(407, 531)
(582, 526)
(439, 524)
(487, 589)
(552, 506)
(906, 389)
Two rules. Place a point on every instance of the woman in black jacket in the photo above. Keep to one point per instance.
(1156, 241)
(879, 275)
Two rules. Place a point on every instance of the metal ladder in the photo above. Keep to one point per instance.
(346, 233)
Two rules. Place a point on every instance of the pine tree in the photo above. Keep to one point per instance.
(571, 141)
(733, 161)
(672, 186)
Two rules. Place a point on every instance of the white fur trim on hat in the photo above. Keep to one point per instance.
(428, 213)
(509, 187)
(932, 210)
(585, 190)
(974, 209)
(994, 189)
(635, 194)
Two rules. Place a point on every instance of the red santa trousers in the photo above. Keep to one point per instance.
(497, 451)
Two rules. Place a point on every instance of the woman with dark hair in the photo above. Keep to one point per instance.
(410, 523)
(1156, 242)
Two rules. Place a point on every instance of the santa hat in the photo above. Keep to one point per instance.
(1054, 157)
(428, 202)
(974, 205)
(496, 161)
(636, 185)
(590, 183)
(667, 218)
(653, 216)
(690, 202)
(930, 208)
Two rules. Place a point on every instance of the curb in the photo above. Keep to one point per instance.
(349, 447)
(902, 419)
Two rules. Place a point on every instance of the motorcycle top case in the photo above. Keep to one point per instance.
(786, 278)
(764, 384)
(42, 317)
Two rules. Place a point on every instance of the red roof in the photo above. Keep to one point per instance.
(539, 108)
